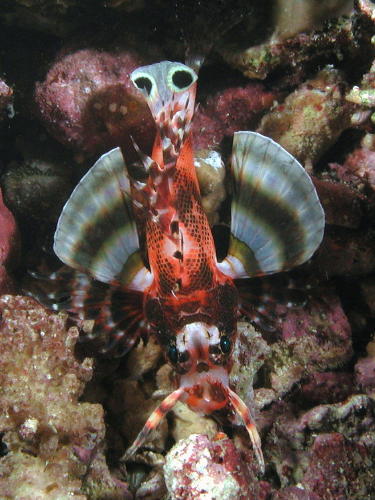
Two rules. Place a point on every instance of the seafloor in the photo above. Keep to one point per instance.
(299, 71)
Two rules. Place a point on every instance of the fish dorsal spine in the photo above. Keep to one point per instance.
(169, 89)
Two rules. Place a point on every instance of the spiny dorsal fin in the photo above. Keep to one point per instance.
(96, 232)
(277, 221)
(169, 89)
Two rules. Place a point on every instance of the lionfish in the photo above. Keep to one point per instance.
(177, 287)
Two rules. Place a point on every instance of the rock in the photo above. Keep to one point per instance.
(41, 420)
(88, 102)
(362, 163)
(343, 206)
(9, 247)
(340, 468)
(316, 337)
(6, 97)
(327, 387)
(291, 447)
(197, 468)
(365, 370)
(230, 110)
(310, 119)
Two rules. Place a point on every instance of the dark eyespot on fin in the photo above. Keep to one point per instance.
(277, 221)
(144, 84)
(182, 79)
(96, 232)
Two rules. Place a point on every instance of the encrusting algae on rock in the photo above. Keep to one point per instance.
(50, 440)
(306, 369)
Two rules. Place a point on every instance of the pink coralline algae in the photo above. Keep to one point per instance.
(340, 468)
(88, 102)
(361, 162)
(343, 205)
(9, 246)
(328, 450)
(365, 370)
(197, 468)
(316, 337)
(230, 110)
(327, 387)
(6, 94)
(52, 441)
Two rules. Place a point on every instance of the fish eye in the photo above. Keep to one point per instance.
(183, 357)
(172, 354)
(144, 84)
(225, 344)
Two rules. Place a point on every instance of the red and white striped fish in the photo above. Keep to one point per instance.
(187, 299)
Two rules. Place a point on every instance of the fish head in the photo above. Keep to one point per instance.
(201, 358)
(197, 333)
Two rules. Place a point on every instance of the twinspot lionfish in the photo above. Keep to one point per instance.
(187, 299)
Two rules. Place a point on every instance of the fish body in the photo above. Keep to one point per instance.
(191, 305)
(189, 299)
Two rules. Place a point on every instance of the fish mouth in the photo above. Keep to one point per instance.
(203, 375)
(204, 392)
(206, 389)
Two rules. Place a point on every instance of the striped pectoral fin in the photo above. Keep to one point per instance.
(111, 317)
(277, 221)
(262, 300)
(117, 314)
(96, 232)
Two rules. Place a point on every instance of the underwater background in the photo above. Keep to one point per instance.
(298, 71)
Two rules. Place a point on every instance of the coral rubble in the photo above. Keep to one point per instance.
(301, 72)
(310, 119)
(199, 468)
(41, 420)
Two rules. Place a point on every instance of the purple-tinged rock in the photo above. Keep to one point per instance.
(327, 387)
(315, 337)
(365, 370)
(344, 253)
(340, 468)
(197, 468)
(290, 443)
(9, 247)
(230, 110)
(362, 163)
(294, 493)
(88, 102)
(365, 374)
(342, 204)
